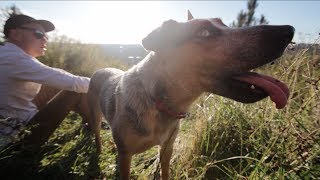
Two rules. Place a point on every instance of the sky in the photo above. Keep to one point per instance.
(128, 22)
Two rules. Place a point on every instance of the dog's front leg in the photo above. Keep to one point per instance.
(166, 153)
(165, 156)
(124, 162)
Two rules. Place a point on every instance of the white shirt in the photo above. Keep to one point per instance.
(21, 76)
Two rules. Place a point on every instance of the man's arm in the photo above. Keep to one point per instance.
(35, 71)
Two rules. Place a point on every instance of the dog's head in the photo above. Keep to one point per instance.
(221, 57)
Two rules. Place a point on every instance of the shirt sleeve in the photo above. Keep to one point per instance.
(30, 69)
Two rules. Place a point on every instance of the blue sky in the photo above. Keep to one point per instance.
(108, 22)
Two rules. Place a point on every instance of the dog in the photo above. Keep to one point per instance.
(144, 104)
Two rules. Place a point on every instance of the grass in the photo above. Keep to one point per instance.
(222, 139)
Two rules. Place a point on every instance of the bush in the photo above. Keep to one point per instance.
(77, 58)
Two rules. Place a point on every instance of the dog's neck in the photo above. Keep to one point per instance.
(168, 82)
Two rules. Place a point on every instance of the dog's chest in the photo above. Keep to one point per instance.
(159, 129)
(166, 129)
(157, 133)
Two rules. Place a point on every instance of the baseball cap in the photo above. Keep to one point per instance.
(16, 21)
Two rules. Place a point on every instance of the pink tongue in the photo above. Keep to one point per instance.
(277, 90)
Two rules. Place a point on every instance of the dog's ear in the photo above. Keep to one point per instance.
(167, 35)
(189, 15)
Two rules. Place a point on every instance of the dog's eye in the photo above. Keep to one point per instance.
(203, 33)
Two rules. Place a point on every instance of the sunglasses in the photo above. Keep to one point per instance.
(37, 34)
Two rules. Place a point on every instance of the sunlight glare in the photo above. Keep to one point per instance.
(128, 20)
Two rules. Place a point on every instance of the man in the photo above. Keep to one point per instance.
(21, 77)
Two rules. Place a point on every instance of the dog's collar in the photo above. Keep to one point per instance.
(160, 105)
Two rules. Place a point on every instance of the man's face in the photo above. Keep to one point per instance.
(30, 38)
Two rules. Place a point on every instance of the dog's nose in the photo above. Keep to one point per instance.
(289, 32)
(286, 32)
(283, 34)
(292, 29)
